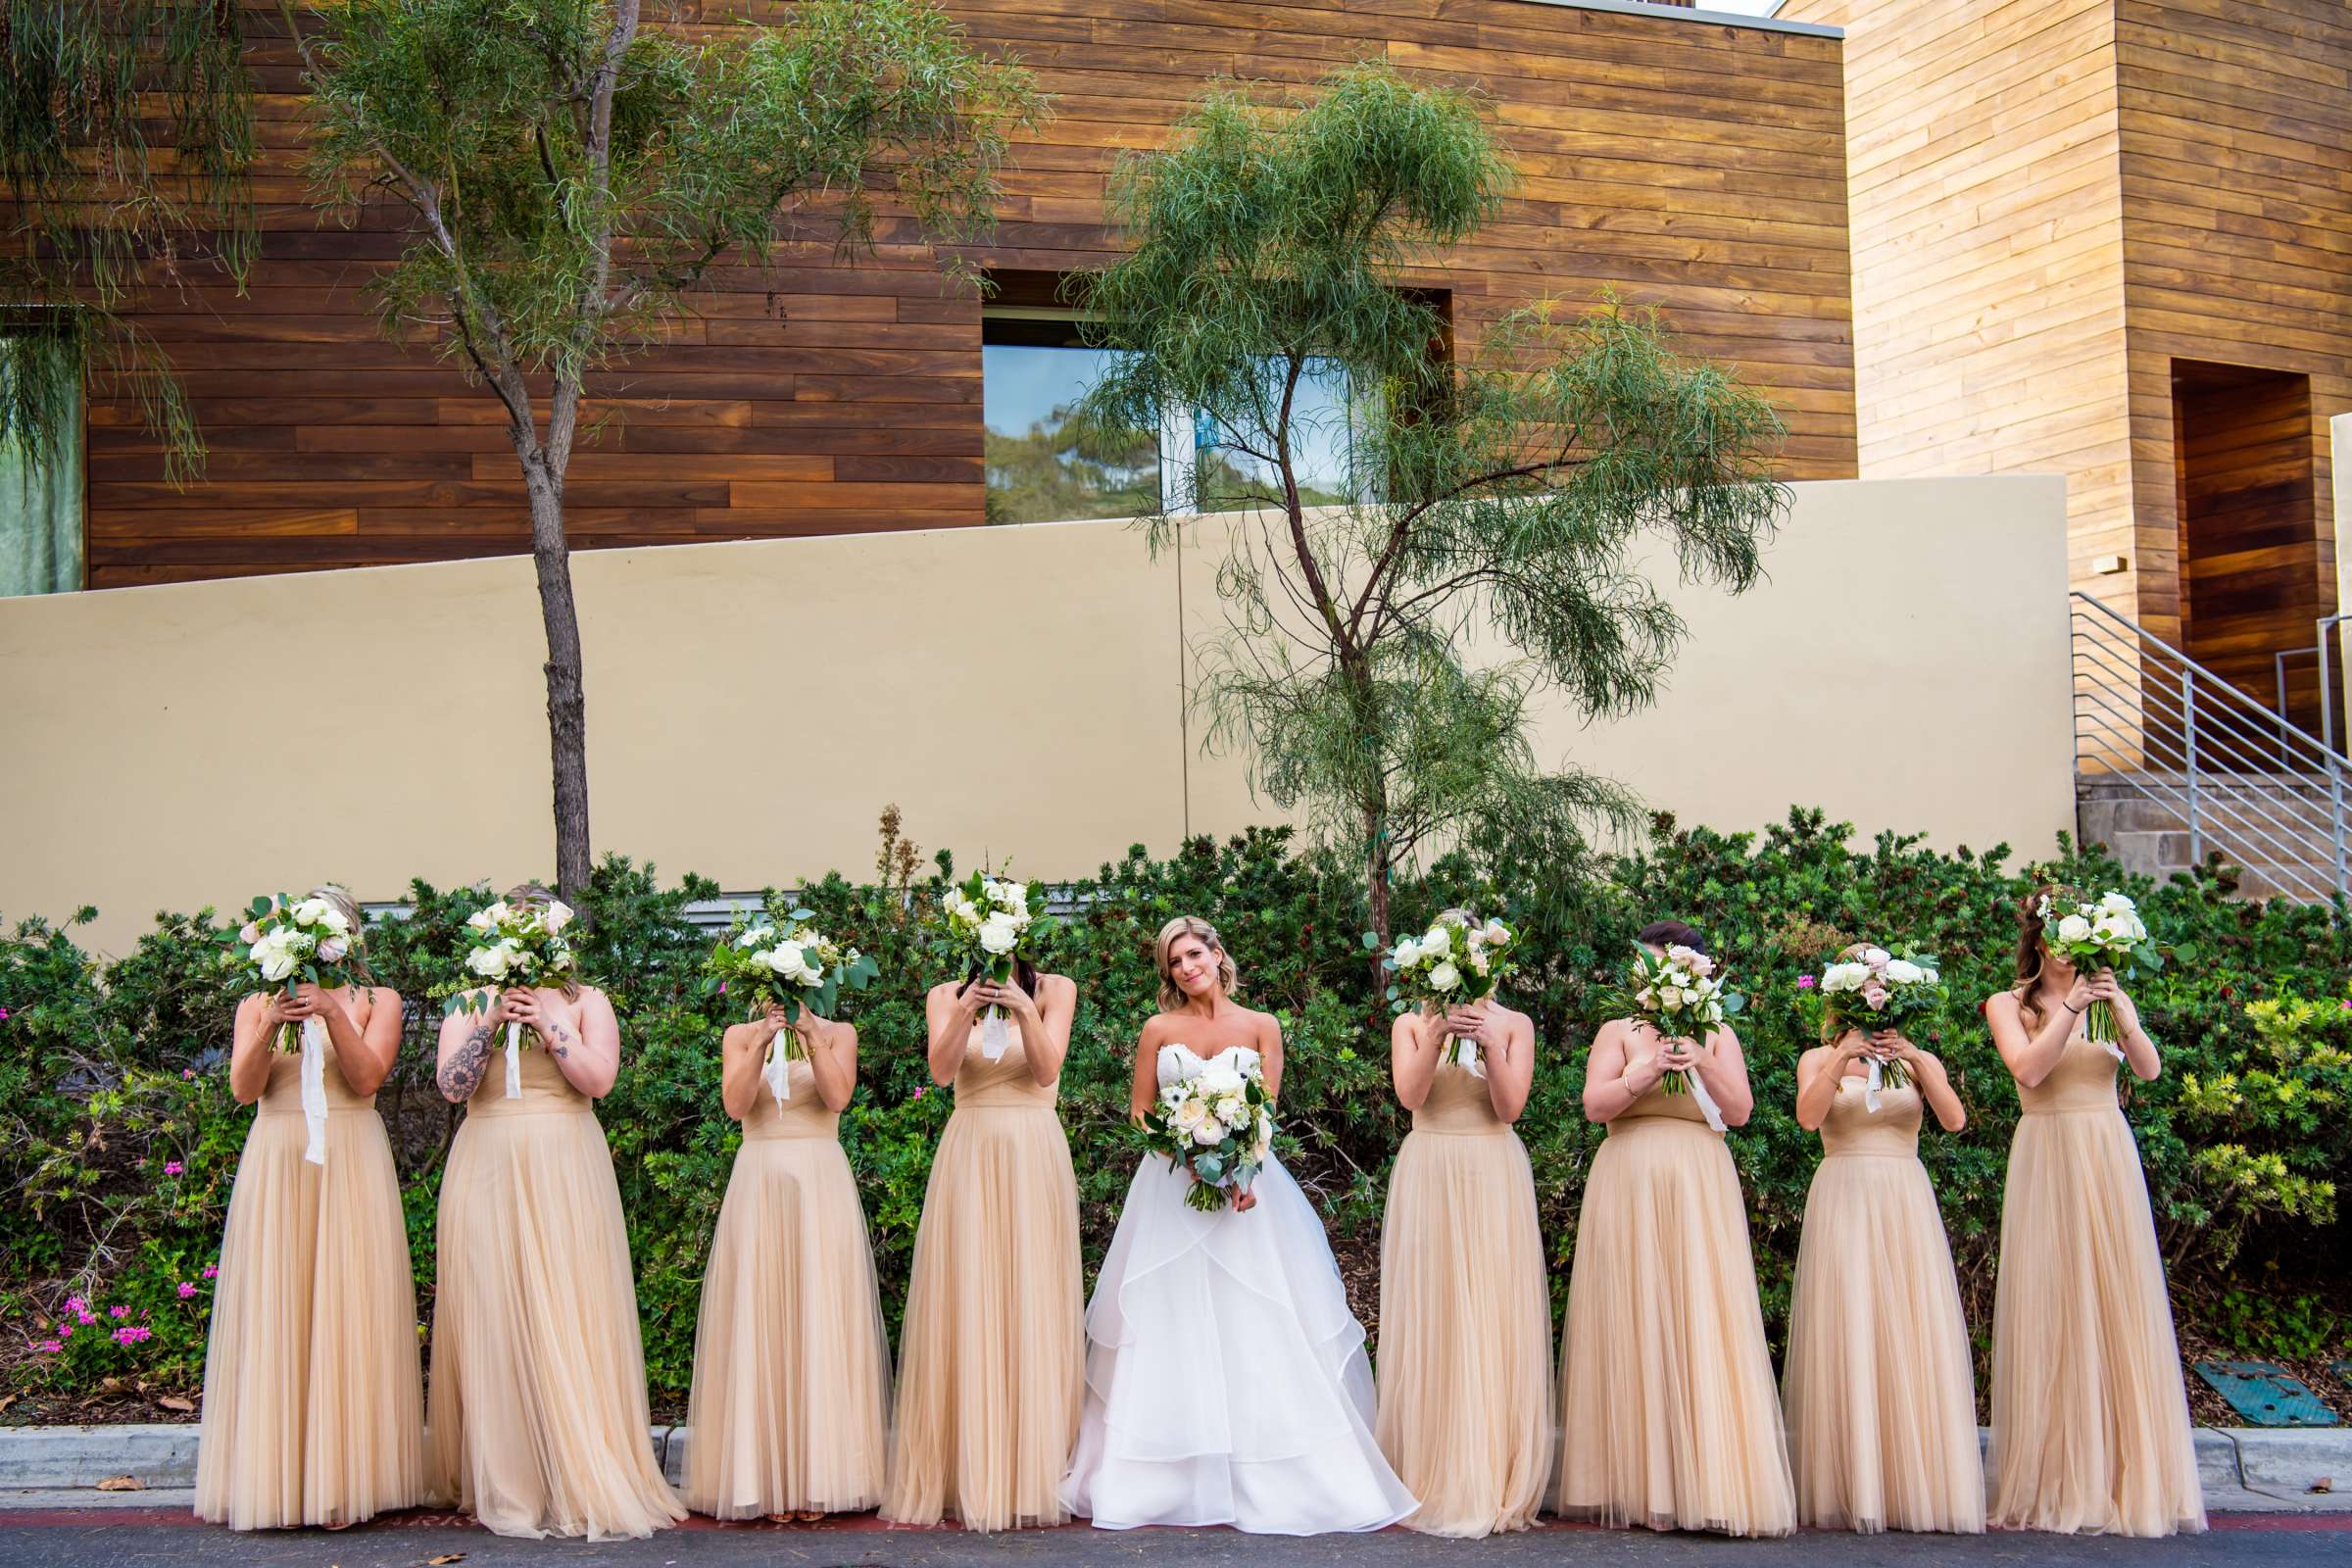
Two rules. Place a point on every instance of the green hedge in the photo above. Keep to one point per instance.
(119, 1139)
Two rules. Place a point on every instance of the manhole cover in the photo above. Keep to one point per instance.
(2266, 1395)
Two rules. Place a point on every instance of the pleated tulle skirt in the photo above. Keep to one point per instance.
(312, 1410)
(1466, 1334)
(991, 1357)
(1879, 1395)
(539, 1423)
(1669, 1417)
(2091, 1427)
(791, 1397)
(1226, 1382)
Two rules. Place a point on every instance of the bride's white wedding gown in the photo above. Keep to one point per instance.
(1226, 1382)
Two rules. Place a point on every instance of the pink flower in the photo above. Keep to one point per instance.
(3, 1015)
(172, 1167)
(1804, 982)
(188, 1289)
(117, 1311)
(212, 1270)
(49, 1346)
(74, 1304)
(64, 1331)
(188, 1074)
(84, 1316)
(1875, 994)
(921, 1089)
(128, 1337)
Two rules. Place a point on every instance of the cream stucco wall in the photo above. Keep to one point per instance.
(1017, 691)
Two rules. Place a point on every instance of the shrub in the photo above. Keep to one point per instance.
(119, 1138)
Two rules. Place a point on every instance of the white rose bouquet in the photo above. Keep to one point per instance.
(1458, 959)
(1681, 994)
(787, 963)
(989, 927)
(283, 942)
(1219, 1126)
(1870, 989)
(280, 943)
(515, 944)
(2092, 934)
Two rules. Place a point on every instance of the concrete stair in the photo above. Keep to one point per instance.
(2277, 828)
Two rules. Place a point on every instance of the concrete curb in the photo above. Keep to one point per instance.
(2242, 1467)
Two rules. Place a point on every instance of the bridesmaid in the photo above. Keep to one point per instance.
(1880, 1396)
(1465, 1322)
(539, 1421)
(2090, 1421)
(312, 1411)
(1667, 1414)
(992, 1358)
(791, 1371)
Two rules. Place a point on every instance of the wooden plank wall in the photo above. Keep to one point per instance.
(1988, 295)
(1694, 167)
(2235, 121)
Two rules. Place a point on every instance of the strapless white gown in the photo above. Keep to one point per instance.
(1226, 1382)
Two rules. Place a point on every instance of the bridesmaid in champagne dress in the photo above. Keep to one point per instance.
(791, 1372)
(312, 1410)
(1667, 1414)
(2090, 1426)
(539, 1423)
(1881, 1397)
(1465, 1309)
(991, 1356)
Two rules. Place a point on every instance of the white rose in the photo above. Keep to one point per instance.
(558, 916)
(1219, 1081)
(1189, 1114)
(1931, 976)
(1877, 957)
(309, 911)
(278, 965)
(786, 959)
(1208, 1135)
(1435, 940)
(999, 935)
(1903, 972)
(1407, 953)
(1670, 998)
(484, 918)
(1444, 977)
(492, 961)
(2074, 928)
(2118, 903)
(1646, 996)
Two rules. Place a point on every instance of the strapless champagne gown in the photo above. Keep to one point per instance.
(1465, 1318)
(992, 1355)
(1667, 1414)
(312, 1410)
(1880, 1397)
(791, 1397)
(539, 1423)
(2090, 1426)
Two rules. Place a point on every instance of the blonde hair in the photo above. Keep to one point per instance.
(1172, 994)
(536, 893)
(337, 896)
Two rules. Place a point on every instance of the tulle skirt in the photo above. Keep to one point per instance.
(791, 1372)
(1879, 1395)
(1226, 1382)
(1667, 1414)
(2090, 1426)
(991, 1359)
(312, 1410)
(539, 1423)
(1466, 1334)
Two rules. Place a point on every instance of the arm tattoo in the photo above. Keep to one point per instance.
(462, 1074)
(558, 1039)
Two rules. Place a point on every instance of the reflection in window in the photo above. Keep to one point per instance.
(1043, 466)
(40, 512)
(1229, 477)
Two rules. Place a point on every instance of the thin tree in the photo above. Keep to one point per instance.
(1494, 501)
(573, 177)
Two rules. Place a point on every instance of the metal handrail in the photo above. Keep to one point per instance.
(2238, 774)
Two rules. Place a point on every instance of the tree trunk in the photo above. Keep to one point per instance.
(566, 696)
(1376, 893)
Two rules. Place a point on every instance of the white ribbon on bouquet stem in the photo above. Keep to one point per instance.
(313, 1089)
(1873, 1084)
(514, 1058)
(778, 1071)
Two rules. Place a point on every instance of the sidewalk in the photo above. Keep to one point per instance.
(2244, 1469)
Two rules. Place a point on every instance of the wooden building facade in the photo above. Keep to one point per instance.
(1680, 162)
(2114, 238)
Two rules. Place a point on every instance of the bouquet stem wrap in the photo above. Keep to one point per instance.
(778, 1071)
(2098, 1027)
(514, 1058)
(314, 1089)
(1706, 1102)
(1872, 1085)
(994, 1035)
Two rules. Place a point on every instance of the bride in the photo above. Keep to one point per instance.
(1226, 1382)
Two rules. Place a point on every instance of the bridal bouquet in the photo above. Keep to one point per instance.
(2105, 933)
(1682, 997)
(1219, 1126)
(789, 964)
(1871, 989)
(1458, 959)
(280, 943)
(515, 944)
(988, 926)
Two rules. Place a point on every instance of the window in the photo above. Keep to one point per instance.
(40, 510)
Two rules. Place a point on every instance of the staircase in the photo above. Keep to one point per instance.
(2174, 764)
